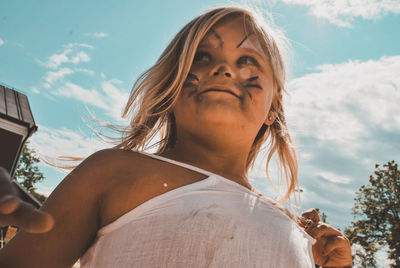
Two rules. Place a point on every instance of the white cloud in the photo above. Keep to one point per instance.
(115, 98)
(335, 178)
(87, 96)
(343, 12)
(344, 103)
(318, 199)
(109, 99)
(56, 60)
(80, 57)
(68, 55)
(35, 90)
(56, 78)
(74, 45)
(1, 42)
(344, 119)
(50, 143)
(97, 34)
(85, 71)
(51, 77)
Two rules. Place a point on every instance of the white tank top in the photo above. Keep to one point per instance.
(214, 222)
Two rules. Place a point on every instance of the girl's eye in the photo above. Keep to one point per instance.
(247, 60)
(202, 56)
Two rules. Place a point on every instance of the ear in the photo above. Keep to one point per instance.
(270, 118)
(275, 106)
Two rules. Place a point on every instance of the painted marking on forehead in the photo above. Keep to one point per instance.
(251, 42)
(213, 39)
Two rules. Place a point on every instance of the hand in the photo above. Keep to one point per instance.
(14, 211)
(332, 248)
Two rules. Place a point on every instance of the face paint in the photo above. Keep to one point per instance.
(191, 83)
(251, 42)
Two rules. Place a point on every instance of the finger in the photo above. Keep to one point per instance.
(9, 204)
(305, 223)
(8, 196)
(6, 187)
(311, 214)
(3, 173)
(29, 219)
(323, 229)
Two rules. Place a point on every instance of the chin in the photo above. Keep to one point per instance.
(220, 114)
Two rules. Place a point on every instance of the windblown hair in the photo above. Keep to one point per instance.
(155, 92)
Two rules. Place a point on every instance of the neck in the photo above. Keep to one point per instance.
(219, 155)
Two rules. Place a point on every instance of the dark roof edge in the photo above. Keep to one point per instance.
(31, 127)
(13, 88)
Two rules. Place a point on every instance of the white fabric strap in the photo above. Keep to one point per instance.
(188, 166)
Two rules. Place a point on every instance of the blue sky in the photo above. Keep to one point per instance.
(72, 57)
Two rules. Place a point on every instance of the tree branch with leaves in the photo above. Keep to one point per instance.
(377, 215)
(28, 173)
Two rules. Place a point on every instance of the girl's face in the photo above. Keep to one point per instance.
(230, 81)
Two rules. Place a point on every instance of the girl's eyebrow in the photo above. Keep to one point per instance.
(217, 36)
(211, 31)
(253, 45)
(244, 39)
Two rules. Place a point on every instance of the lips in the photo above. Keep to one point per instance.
(219, 90)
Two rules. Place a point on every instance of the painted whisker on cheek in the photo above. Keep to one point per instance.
(252, 78)
(190, 79)
(249, 93)
(257, 86)
(192, 76)
(246, 91)
(252, 83)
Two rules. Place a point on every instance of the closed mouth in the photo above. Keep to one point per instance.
(220, 90)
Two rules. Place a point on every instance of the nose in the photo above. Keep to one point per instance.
(222, 69)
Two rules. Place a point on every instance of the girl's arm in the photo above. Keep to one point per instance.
(74, 206)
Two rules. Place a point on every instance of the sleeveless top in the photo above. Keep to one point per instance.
(214, 222)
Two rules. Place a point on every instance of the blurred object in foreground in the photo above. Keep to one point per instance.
(16, 126)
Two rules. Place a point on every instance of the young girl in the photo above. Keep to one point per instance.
(214, 97)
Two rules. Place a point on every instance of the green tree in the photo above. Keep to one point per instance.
(377, 216)
(28, 173)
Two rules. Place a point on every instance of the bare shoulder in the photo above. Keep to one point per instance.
(121, 180)
(109, 166)
(76, 206)
(112, 159)
(137, 178)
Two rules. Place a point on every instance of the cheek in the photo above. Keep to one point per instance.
(263, 98)
(200, 71)
(192, 81)
(267, 84)
(262, 101)
(245, 73)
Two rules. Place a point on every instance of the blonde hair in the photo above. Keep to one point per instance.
(155, 92)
